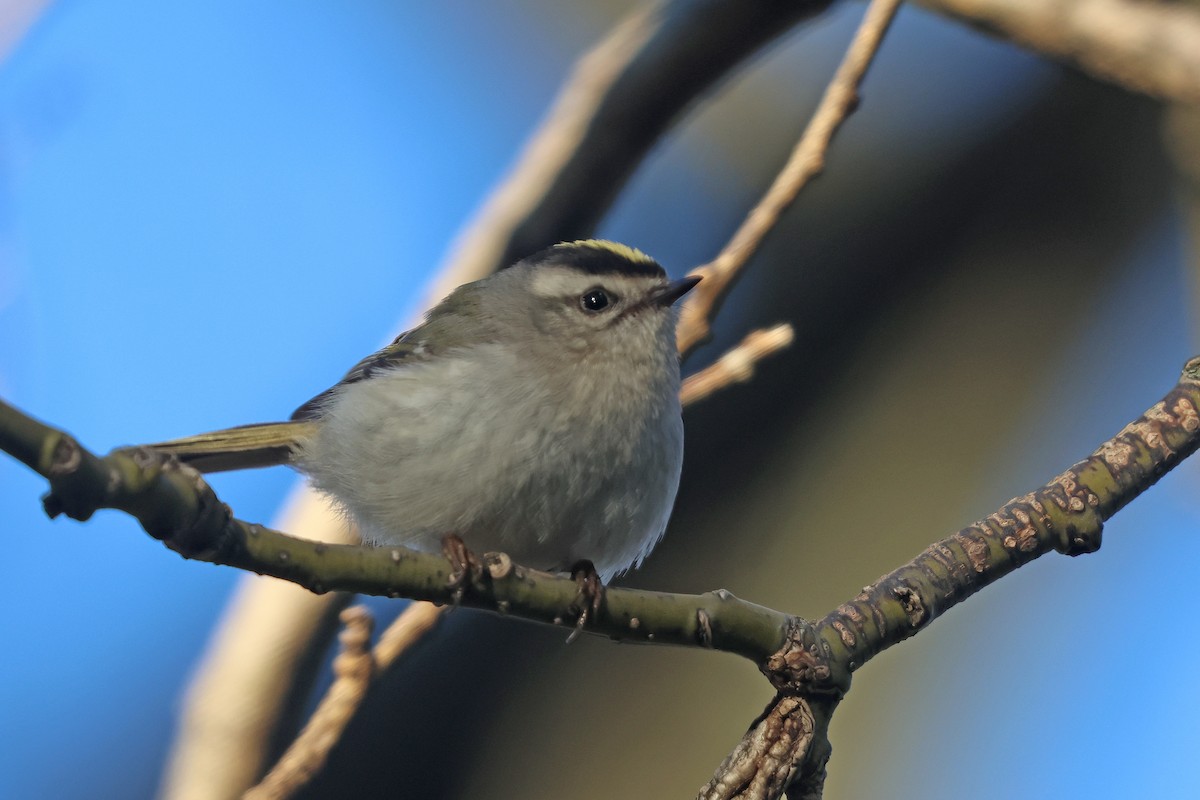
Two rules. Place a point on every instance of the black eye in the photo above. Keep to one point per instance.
(595, 300)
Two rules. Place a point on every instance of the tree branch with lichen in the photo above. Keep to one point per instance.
(810, 664)
(812, 671)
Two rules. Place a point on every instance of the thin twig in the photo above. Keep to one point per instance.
(355, 670)
(806, 162)
(405, 631)
(737, 365)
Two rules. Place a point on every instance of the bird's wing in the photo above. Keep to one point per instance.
(245, 447)
(406, 348)
(273, 443)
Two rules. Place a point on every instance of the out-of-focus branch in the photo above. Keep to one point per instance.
(355, 670)
(256, 672)
(1182, 133)
(805, 163)
(617, 103)
(406, 630)
(1149, 47)
(16, 18)
(619, 100)
(737, 365)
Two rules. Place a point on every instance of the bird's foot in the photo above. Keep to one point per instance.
(465, 566)
(591, 594)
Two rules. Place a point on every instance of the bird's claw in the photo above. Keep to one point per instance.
(465, 566)
(591, 594)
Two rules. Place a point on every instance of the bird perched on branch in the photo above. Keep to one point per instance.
(534, 412)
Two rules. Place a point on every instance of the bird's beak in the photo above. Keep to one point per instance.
(674, 290)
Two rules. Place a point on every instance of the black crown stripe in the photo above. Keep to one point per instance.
(599, 257)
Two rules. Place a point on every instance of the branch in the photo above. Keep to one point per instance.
(808, 662)
(736, 365)
(760, 766)
(175, 505)
(805, 163)
(1065, 515)
(355, 670)
(619, 100)
(1152, 48)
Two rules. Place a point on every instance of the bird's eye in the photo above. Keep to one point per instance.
(595, 300)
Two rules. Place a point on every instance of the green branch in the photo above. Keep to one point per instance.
(176, 506)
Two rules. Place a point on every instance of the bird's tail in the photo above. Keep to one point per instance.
(244, 447)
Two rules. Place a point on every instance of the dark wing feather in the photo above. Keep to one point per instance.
(456, 320)
(403, 349)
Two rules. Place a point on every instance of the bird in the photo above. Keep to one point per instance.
(533, 412)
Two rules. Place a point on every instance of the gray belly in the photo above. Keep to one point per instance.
(410, 464)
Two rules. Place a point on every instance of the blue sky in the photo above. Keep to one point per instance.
(204, 217)
(209, 210)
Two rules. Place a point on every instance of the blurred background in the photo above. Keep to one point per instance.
(208, 211)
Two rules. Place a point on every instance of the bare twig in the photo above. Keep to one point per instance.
(737, 365)
(405, 631)
(806, 162)
(256, 665)
(1147, 47)
(355, 670)
(616, 104)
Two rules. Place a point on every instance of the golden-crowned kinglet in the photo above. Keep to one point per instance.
(535, 412)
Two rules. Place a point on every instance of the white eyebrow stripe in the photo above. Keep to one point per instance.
(553, 283)
(563, 282)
